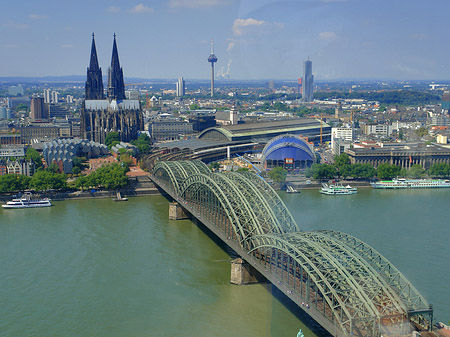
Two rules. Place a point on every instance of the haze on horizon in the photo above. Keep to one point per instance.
(254, 39)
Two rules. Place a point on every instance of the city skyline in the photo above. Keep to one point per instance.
(266, 39)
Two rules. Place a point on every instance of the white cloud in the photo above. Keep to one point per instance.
(327, 35)
(66, 46)
(141, 9)
(113, 9)
(35, 16)
(195, 3)
(231, 44)
(16, 25)
(239, 24)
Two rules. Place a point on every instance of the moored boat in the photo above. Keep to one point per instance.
(401, 183)
(120, 198)
(27, 201)
(337, 189)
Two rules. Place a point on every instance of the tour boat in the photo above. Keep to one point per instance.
(337, 189)
(411, 183)
(26, 201)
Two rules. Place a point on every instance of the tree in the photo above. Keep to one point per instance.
(108, 177)
(13, 182)
(341, 160)
(387, 171)
(324, 171)
(35, 156)
(76, 170)
(143, 143)
(110, 138)
(194, 106)
(46, 180)
(363, 171)
(214, 166)
(439, 170)
(278, 174)
(416, 171)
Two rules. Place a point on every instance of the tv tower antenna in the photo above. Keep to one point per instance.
(212, 59)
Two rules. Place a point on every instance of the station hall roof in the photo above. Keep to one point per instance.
(264, 130)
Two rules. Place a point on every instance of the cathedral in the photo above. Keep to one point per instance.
(115, 113)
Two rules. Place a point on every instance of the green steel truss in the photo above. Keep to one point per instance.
(340, 277)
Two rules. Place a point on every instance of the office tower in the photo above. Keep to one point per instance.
(445, 102)
(47, 98)
(308, 82)
(3, 114)
(99, 116)
(37, 108)
(55, 97)
(271, 86)
(180, 87)
(212, 59)
(94, 81)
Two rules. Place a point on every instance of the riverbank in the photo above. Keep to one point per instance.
(138, 186)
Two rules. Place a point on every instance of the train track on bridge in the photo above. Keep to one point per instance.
(341, 282)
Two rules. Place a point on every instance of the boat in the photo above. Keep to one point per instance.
(120, 198)
(290, 189)
(337, 189)
(27, 201)
(411, 183)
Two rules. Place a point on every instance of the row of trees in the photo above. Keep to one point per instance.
(40, 181)
(343, 169)
(108, 177)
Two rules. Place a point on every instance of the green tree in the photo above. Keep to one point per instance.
(323, 171)
(110, 138)
(387, 171)
(242, 169)
(362, 171)
(194, 106)
(341, 160)
(46, 180)
(416, 171)
(14, 183)
(35, 156)
(278, 174)
(214, 166)
(76, 170)
(439, 170)
(143, 144)
(108, 177)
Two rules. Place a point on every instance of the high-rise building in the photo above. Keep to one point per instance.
(308, 82)
(38, 108)
(47, 98)
(100, 116)
(15, 90)
(445, 102)
(180, 87)
(55, 97)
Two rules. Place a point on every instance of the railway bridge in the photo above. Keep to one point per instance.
(341, 282)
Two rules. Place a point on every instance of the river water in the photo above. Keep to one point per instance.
(99, 268)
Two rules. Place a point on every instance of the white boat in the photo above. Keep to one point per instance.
(411, 183)
(290, 189)
(120, 198)
(27, 201)
(338, 189)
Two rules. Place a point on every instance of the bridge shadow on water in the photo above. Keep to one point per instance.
(300, 314)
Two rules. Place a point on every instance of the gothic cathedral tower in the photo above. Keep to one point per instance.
(100, 116)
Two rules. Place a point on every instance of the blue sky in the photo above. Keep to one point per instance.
(254, 39)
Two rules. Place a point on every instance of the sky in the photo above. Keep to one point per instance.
(253, 39)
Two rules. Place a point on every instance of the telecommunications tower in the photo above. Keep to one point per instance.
(212, 59)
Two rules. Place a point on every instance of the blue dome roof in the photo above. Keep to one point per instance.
(288, 146)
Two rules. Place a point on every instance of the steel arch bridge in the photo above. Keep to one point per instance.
(343, 283)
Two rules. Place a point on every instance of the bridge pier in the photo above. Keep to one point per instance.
(176, 212)
(243, 273)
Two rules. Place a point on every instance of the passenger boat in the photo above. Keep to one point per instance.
(411, 183)
(338, 189)
(26, 201)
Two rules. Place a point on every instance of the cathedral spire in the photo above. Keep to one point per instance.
(116, 86)
(94, 81)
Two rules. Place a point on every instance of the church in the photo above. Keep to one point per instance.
(115, 113)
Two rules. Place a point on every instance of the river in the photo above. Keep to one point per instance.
(98, 268)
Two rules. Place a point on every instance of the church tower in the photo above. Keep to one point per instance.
(116, 86)
(115, 113)
(94, 81)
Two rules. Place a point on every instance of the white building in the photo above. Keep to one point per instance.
(180, 87)
(341, 139)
